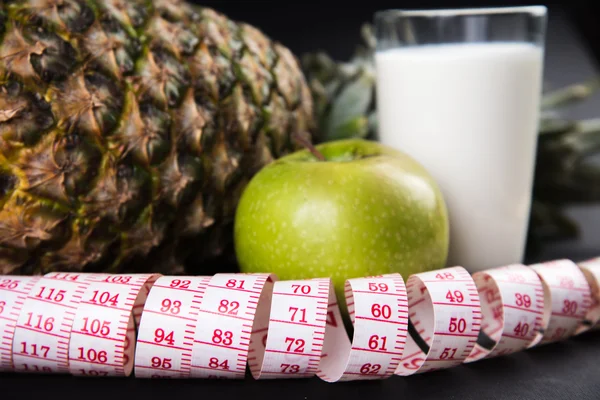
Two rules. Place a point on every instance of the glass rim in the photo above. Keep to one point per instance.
(533, 10)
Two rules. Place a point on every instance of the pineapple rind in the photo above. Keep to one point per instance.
(129, 129)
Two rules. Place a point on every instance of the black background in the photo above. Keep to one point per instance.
(333, 26)
(565, 370)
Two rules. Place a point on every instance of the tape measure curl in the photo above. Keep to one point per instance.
(445, 313)
(512, 302)
(41, 337)
(102, 340)
(13, 293)
(218, 326)
(567, 299)
(591, 271)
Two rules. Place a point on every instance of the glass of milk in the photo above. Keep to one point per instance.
(459, 90)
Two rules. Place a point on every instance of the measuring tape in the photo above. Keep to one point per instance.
(228, 325)
(13, 293)
(591, 271)
(567, 298)
(43, 328)
(103, 328)
(512, 305)
(446, 317)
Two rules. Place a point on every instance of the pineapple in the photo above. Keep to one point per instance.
(129, 128)
(345, 107)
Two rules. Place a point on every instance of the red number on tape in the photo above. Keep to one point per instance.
(171, 306)
(164, 363)
(455, 297)
(457, 325)
(9, 284)
(34, 350)
(444, 276)
(295, 345)
(522, 300)
(96, 327)
(180, 284)
(376, 342)
(521, 329)
(161, 336)
(224, 338)
(215, 363)
(229, 307)
(40, 323)
(233, 283)
(104, 298)
(118, 279)
(61, 276)
(448, 353)
(377, 310)
(92, 355)
(290, 368)
(368, 369)
(51, 294)
(414, 364)
(378, 287)
(87, 372)
(36, 368)
(304, 289)
(570, 307)
(301, 316)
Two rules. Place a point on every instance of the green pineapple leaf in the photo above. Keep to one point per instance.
(348, 116)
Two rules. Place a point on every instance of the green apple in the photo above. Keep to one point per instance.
(365, 209)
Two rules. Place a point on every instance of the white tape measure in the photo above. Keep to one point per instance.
(102, 341)
(567, 298)
(13, 293)
(446, 316)
(41, 336)
(512, 304)
(222, 326)
(591, 271)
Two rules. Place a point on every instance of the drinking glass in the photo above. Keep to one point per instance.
(459, 90)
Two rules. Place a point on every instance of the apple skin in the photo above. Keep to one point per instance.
(367, 210)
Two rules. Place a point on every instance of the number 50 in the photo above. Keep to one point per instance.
(457, 325)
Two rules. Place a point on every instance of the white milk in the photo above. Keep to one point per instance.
(469, 113)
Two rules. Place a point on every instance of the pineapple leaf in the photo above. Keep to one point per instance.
(570, 94)
(349, 110)
(552, 127)
(588, 125)
(357, 127)
(551, 223)
(372, 125)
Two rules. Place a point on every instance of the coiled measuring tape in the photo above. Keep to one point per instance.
(13, 293)
(228, 325)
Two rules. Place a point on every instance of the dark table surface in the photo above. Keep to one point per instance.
(566, 370)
